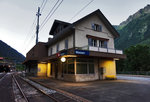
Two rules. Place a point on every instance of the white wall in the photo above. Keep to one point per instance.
(84, 28)
(61, 45)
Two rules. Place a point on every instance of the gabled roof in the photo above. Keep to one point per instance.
(70, 26)
(103, 19)
(55, 24)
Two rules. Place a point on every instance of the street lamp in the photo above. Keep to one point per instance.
(63, 59)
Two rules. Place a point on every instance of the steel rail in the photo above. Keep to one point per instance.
(40, 90)
(20, 89)
(2, 76)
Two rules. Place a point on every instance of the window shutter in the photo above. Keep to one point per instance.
(105, 44)
(93, 26)
(90, 41)
(100, 28)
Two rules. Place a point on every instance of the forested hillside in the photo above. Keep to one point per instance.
(135, 30)
(135, 41)
(9, 52)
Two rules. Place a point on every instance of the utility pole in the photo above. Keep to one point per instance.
(37, 26)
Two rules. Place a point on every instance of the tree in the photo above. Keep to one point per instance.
(137, 59)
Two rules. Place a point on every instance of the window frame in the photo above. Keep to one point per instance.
(97, 27)
(51, 51)
(57, 47)
(87, 62)
(66, 68)
(66, 44)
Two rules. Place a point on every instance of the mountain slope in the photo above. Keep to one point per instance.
(9, 52)
(135, 30)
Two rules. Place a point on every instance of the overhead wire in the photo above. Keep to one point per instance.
(81, 10)
(43, 6)
(52, 11)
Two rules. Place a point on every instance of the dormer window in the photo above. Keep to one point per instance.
(97, 27)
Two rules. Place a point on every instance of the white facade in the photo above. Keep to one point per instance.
(61, 45)
(81, 31)
(84, 28)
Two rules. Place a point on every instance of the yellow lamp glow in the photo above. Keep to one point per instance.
(63, 59)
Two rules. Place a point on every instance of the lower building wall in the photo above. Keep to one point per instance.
(86, 77)
(31, 70)
(69, 77)
(109, 68)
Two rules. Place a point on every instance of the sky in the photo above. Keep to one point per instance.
(18, 17)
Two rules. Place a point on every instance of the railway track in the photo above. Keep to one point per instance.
(2, 75)
(41, 94)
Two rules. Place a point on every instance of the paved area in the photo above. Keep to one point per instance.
(140, 78)
(105, 91)
(6, 91)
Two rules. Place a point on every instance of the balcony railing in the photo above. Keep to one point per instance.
(99, 49)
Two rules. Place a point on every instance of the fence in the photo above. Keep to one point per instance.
(134, 72)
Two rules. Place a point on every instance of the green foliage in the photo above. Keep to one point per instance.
(135, 32)
(138, 58)
(20, 67)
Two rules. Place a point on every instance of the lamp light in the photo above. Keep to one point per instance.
(63, 59)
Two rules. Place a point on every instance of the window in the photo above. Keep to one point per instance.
(51, 51)
(92, 42)
(103, 44)
(65, 68)
(57, 48)
(91, 68)
(81, 68)
(66, 44)
(97, 27)
(68, 67)
(85, 66)
(71, 68)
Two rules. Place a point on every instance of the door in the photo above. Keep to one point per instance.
(101, 73)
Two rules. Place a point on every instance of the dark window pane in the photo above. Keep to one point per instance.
(57, 49)
(81, 68)
(90, 41)
(93, 26)
(70, 68)
(65, 68)
(91, 68)
(104, 44)
(81, 60)
(91, 61)
(66, 44)
(100, 28)
(71, 60)
(95, 43)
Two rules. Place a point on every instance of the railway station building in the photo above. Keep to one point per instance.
(80, 51)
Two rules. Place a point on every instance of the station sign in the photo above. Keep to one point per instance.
(81, 52)
(1, 58)
(61, 53)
